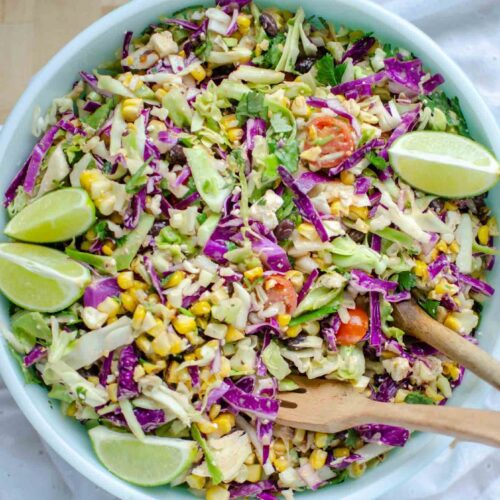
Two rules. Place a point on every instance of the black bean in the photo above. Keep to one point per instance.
(356, 235)
(177, 156)
(269, 24)
(284, 230)
(304, 64)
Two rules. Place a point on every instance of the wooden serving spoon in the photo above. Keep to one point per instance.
(331, 406)
(413, 320)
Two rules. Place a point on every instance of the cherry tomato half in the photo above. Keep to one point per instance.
(334, 137)
(281, 290)
(355, 329)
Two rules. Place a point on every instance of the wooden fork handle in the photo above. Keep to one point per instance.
(481, 426)
(410, 318)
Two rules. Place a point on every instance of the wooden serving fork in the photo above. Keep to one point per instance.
(332, 406)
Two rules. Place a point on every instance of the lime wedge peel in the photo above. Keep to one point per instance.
(154, 461)
(40, 278)
(57, 216)
(444, 164)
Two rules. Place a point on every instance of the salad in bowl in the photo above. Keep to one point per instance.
(241, 196)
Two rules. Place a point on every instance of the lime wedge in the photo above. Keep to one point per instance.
(40, 278)
(57, 216)
(151, 462)
(444, 164)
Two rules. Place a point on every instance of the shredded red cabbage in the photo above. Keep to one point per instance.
(359, 49)
(383, 434)
(35, 355)
(100, 290)
(356, 157)
(149, 420)
(128, 360)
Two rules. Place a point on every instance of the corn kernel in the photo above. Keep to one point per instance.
(361, 212)
(281, 463)
(320, 439)
(161, 345)
(144, 344)
(420, 269)
(279, 447)
(139, 315)
(483, 235)
(157, 329)
(177, 347)
(113, 392)
(451, 369)
(293, 331)
(317, 459)
(195, 482)
(125, 280)
(284, 319)
(217, 493)
(454, 247)
(347, 177)
(214, 411)
(251, 459)
(87, 177)
(152, 368)
(243, 23)
(254, 273)
(129, 302)
(430, 392)
(71, 410)
(233, 334)
(206, 427)
(452, 323)
(307, 230)
(356, 469)
(201, 308)
(175, 279)
(254, 473)
(108, 248)
(401, 395)
(90, 235)
(235, 134)
(131, 109)
(441, 287)
(224, 423)
(109, 306)
(184, 324)
(199, 73)
(160, 93)
(225, 367)
(341, 452)
(442, 246)
(229, 121)
(450, 206)
(296, 278)
(299, 436)
(140, 285)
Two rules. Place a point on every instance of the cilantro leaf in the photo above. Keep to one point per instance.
(352, 438)
(101, 230)
(407, 280)
(329, 73)
(429, 306)
(203, 50)
(271, 57)
(417, 398)
(280, 124)
(377, 161)
(138, 180)
(98, 117)
(451, 108)
(251, 105)
(286, 153)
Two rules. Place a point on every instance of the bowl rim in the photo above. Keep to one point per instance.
(432, 446)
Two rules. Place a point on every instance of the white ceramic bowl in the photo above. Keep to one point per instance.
(97, 44)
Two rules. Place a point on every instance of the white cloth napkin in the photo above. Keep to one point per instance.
(470, 33)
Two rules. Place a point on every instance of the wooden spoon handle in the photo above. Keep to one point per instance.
(481, 426)
(410, 318)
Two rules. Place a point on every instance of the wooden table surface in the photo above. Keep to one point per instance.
(31, 31)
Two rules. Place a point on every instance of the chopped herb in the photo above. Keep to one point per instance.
(377, 161)
(29, 374)
(101, 230)
(451, 108)
(98, 117)
(121, 241)
(329, 73)
(429, 306)
(251, 105)
(203, 50)
(201, 218)
(407, 280)
(352, 438)
(280, 124)
(287, 153)
(340, 477)
(107, 168)
(271, 57)
(81, 392)
(185, 311)
(417, 398)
